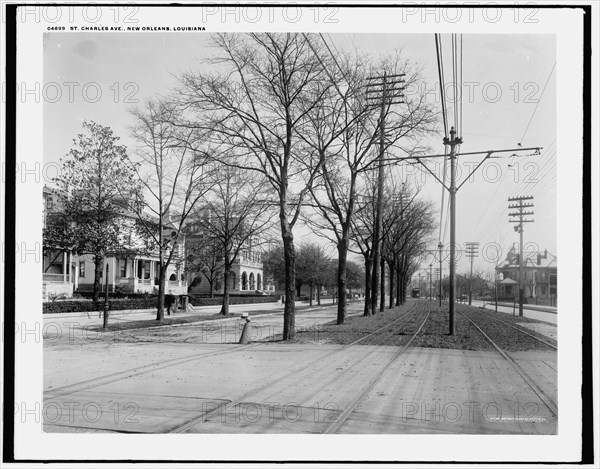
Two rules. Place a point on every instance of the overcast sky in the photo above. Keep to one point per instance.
(505, 76)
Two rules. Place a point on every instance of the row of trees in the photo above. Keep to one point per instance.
(314, 268)
(293, 127)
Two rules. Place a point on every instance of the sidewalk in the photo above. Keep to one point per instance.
(193, 310)
(546, 316)
(545, 309)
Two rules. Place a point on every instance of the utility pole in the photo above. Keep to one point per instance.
(453, 189)
(453, 141)
(430, 280)
(419, 285)
(384, 90)
(518, 218)
(382, 293)
(440, 247)
(472, 248)
(438, 276)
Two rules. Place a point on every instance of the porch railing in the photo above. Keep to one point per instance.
(55, 278)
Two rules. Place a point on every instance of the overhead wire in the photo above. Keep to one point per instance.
(461, 84)
(522, 137)
(440, 65)
(538, 103)
(488, 228)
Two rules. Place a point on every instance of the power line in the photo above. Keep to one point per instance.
(538, 103)
(333, 56)
(483, 229)
(526, 129)
(461, 84)
(440, 64)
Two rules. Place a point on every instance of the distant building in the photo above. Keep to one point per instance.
(246, 275)
(540, 272)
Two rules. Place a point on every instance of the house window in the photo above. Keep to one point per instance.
(123, 268)
(82, 268)
(49, 203)
(147, 269)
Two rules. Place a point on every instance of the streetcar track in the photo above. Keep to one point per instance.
(132, 372)
(521, 330)
(339, 421)
(548, 402)
(283, 376)
(144, 369)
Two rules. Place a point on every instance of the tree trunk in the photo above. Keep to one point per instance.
(97, 276)
(403, 287)
(289, 253)
(368, 305)
(391, 269)
(310, 298)
(225, 305)
(160, 313)
(398, 283)
(318, 294)
(211, 285)
(342, 280)
(374, 285)
(382, 293)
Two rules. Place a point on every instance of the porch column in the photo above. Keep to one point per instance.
(115, 263)
(76, 279)
(64, 266)
(70, 264)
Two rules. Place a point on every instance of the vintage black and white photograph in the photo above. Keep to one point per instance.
(294, 226)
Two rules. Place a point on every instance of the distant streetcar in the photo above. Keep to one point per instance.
(415, 293)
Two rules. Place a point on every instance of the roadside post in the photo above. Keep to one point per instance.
(245, 337)
(106, 305)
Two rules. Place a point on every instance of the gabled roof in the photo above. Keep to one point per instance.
(531, 260)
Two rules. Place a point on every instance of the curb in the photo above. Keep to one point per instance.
(235, 318)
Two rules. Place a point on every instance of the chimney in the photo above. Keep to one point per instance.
(539, 259)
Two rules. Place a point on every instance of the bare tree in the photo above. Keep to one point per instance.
(255, 110)
(363, 234)
(235, 216)
(417, 226)
(345, 128)
(205, 256)
(171, 180)
(311, 267)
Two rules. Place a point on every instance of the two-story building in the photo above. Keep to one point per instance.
(59, 274)
(136, 269)
(540, 277)
(131, 270)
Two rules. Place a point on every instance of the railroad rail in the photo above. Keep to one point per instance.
(140, 370)
(285, 375)
(521, 330)
(548, 402)
(339, 421)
